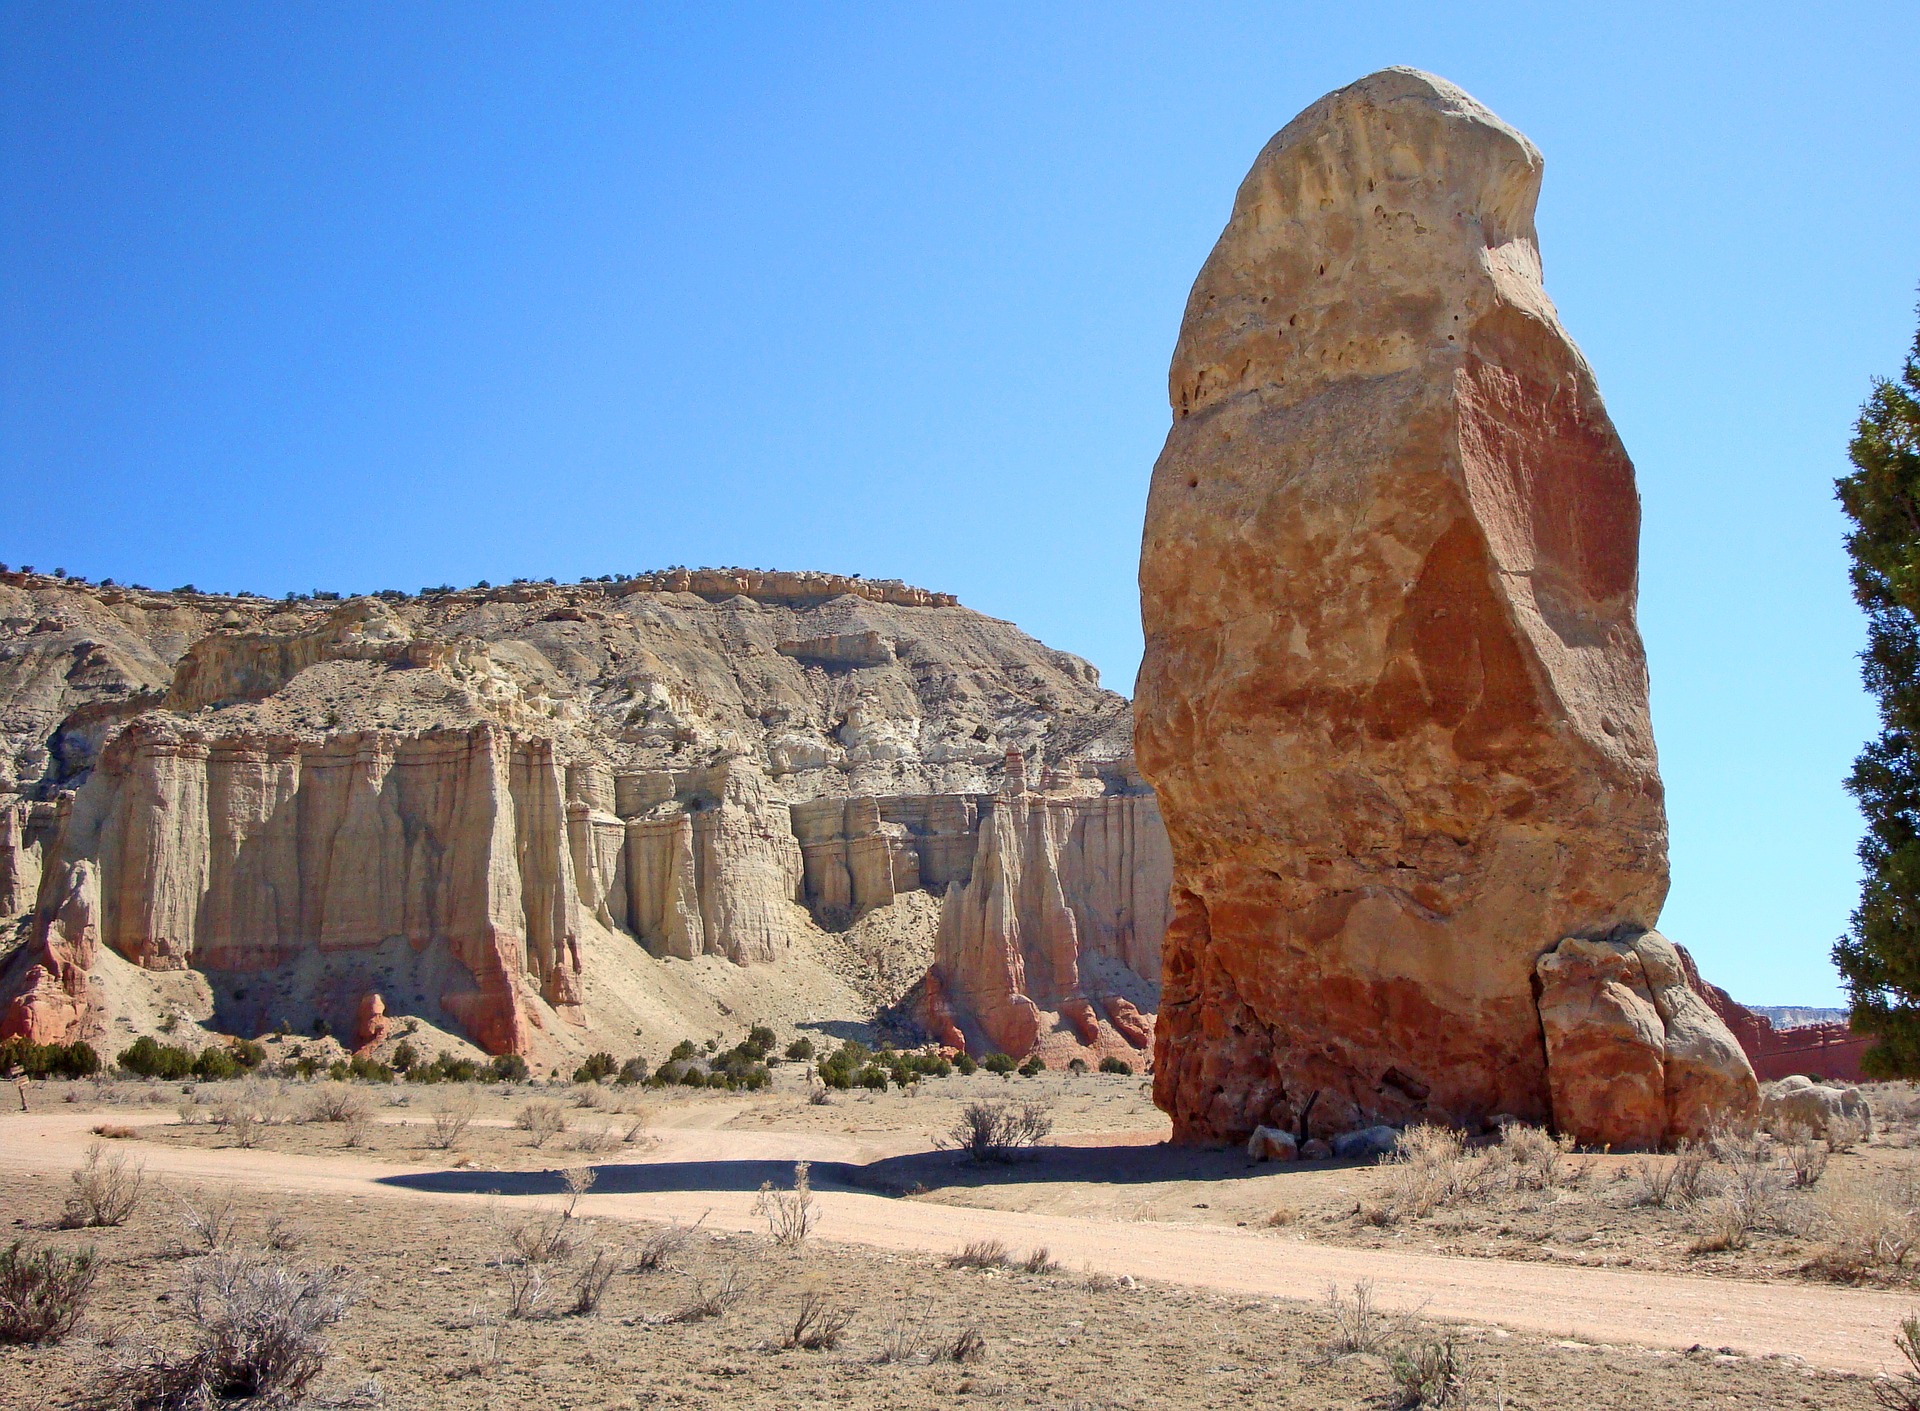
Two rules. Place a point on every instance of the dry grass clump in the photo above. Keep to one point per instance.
(338, 1102)
(818, 1324)
(1902, 1393)
(595, 1277)
(1872, 1229)
(1427, 1370)
(711, 1300)
(106, 1190)
(541, 1120)
(256, 1334)
(452, 1114)
(1748, 1184)
(1433, 1168)
(981, 1254)
(662, 1242)
(1432, 1371)
(43, 1292)
(1359, 1325)
(790, 1215)
(247, 1110)
(998, 1131)
(208, 1219)
(1674, 1182)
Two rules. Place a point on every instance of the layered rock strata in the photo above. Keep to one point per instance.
(1394, 700)
(345, 813)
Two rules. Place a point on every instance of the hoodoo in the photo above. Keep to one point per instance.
(1394, 700)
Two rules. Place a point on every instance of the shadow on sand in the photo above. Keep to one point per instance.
(922, 1171)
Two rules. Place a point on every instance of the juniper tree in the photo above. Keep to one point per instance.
(1879, 957)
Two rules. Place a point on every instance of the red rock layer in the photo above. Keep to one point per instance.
(1393, 698)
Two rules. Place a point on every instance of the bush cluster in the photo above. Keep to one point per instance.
(147, 1057)
(75, 1060)
(854, 1065)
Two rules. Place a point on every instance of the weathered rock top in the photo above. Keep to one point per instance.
(834, 684)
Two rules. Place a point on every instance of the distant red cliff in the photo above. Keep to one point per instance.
(1817, 1050)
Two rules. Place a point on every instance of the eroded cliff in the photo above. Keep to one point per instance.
(446, 806)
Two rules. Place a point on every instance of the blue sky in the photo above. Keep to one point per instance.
(365, 296)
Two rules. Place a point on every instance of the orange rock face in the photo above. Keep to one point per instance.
(1394, 700)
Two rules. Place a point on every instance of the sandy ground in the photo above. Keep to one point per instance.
(432, 1326)
(708, 1157)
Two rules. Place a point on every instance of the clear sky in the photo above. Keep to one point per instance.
(358, 296)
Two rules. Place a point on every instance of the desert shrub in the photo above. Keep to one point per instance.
(256, 1328)
(1873, 1228)
(597, 1140)
(1540, 1160)
(800, 1050)
(74, 1060)
(147, 1057)
(633, 1071)
(760, 1039)
(1431, 1371)
(967, 1345)
(508, 1068)
(1902, 1393)
(336, 1102)
(526, 1290)
(1110, 1064)
(981, 1254)
(1804, 1156)
(597, 1066)
(1845, 1133)
(43, 1292)
(248, 1054)
(692, 1077)
(965, 1065)
(1432, 1168)
(998, 1063)
(683, 1050)
(1674, 1182)
(817, 1324)
(405, 1055)
(280, 1235)
(711, 1300)
(662, 1242)
(541, 1120)
(450, 1118)
(1040, 1260)
(106, 1190)
(545, 1237)
(366, 1070)
(998, 1131)
(216, 1065)
(790, 1215)
(1078, 1065)
(1359, 1325)
(1033, 1067)
(903, 1338)
(924, 1065)
(584, 1095)
(1750, 1182)
(590, 1285)
(208, 1219)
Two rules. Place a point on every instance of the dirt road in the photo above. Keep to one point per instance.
(691, 1172)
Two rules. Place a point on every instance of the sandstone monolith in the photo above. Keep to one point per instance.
(1393, 699)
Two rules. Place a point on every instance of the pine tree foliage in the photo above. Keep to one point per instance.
(1879, 957)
